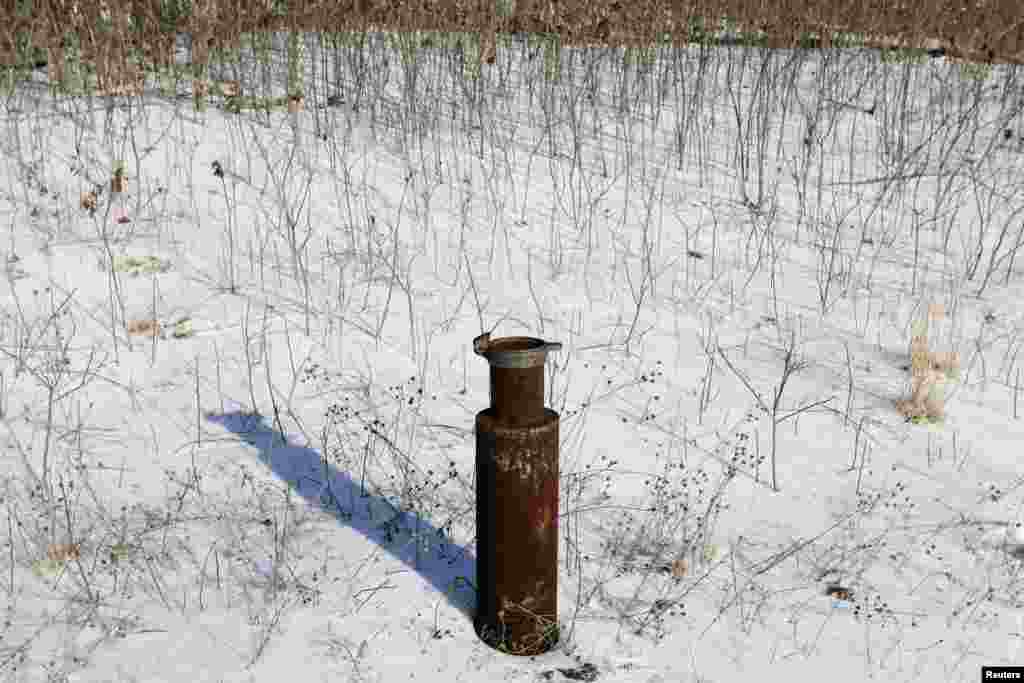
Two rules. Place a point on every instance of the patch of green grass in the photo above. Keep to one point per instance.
(730, 30)
(551, 44)
(925, 421)
(469, 45)
(840, 40)
(844, 39)
(505, 8)
(296, 57)
(407, 44)
(970, 71)
(140, 265)
(904, 55)
(355, 40)
(644, 55)
(700, 30)
(260, 43)
(27, 57)
(173, 11)
(239, 103)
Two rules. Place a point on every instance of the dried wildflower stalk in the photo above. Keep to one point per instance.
(929, 371)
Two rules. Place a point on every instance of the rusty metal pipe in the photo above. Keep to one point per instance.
(517, 500)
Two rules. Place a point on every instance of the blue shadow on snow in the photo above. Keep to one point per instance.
(440, 562)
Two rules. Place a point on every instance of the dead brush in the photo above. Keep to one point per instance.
(929, 373)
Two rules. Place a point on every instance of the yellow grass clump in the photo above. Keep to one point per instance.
(930, 371)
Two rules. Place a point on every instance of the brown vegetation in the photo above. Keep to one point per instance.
(992, 31)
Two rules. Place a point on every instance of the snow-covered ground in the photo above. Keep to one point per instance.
(733, 246)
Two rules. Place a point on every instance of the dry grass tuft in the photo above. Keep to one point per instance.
(929, 372)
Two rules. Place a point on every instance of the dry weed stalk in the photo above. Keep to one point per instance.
(929, 371)
(130, 84)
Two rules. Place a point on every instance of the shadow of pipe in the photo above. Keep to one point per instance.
(431, 556)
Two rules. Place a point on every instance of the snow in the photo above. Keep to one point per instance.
(273, 476)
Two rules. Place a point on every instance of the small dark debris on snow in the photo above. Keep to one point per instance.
(694, 254)
(838, 592)
(217, 170)
(585, 672)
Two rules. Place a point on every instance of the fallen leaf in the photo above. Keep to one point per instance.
(47, 568)
(135, 265)
(711, 552)
(838, 592)
(61, 552)
(148, 328)
(119, 551)
(182, 328)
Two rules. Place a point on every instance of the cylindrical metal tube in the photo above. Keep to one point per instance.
(518, 397)
(517, 501)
